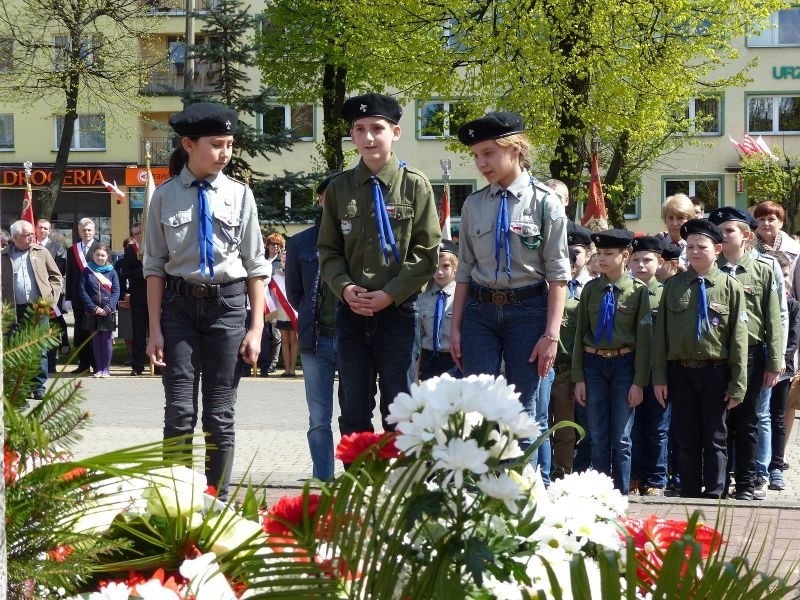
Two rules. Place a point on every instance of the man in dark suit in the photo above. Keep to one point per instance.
(77, 257)
(59, 254)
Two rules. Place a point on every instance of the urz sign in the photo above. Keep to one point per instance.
(786, 72)
(40, 177)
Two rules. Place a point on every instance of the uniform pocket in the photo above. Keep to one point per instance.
(482, 235)
(175, 225)
(227, 225)
(399, 212)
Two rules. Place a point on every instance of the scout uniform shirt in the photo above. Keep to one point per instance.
(676, 327)
(172, 234)
(538, 242)
(763, 308)
(566, 337)
(427, 309)
(654, 290)
(632, 324)
(349, 245)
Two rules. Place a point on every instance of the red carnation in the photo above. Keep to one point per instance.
(354, 445)
(10, 464)
(288, 512)
(60, 553)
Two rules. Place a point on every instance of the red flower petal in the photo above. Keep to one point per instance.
(352, 446)
(288, 512)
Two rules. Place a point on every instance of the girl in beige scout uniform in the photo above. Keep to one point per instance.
(612, 368)
(513, 269)
(699, 359)
(203, 254)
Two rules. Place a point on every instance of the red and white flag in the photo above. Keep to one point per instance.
(444, 215)
(112, 187)
(277, 288)
(27, 207)
(595, 216)
(750, 145)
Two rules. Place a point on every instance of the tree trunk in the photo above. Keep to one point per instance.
(334, 80)
(615, 203)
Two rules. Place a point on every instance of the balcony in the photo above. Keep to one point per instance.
(160, 150)
(169, 81)
(176, 7)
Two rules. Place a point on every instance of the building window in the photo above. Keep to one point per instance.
(784, 30)
(709, 190)
(773, 114)
(6, 132)
(89, 134)
(459, 190)
(89, 51)
(437, 119)
(6, 55)
(706, 114)
(296, 121)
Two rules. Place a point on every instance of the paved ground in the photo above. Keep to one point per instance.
(271, 450)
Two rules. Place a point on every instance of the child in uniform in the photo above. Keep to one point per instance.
(378, 245)
(699, 358)
(203, 254)
(513, 268)
(765, 342)
(651, 420)
(435, 313)
(99, 294)
(612, 368)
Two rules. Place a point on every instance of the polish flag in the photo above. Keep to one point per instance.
(27, 207)
(444, 217)
(112, 187)
(595, 216)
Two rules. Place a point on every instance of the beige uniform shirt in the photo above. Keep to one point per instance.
(534, 210)
(172, 233)
(427, 310)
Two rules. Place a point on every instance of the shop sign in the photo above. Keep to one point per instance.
(88, 176)
(137, 176)
(785, 72)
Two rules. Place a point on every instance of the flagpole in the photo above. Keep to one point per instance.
(446, 230)
(27, 204)
(146, 197)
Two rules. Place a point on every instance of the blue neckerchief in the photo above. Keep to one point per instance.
(385, 233)
(605, 325)
(501, 235)
(572, 287)
(438, 317)
(206, 229)
(702, 309)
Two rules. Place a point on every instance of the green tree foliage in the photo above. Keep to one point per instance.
(76, 56)
(774, 179)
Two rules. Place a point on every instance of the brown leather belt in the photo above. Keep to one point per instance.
(608, 352)
(701, 364)
(503, 297)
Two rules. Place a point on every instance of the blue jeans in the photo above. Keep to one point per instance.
(490, 334)
(764, 442)
(608, 381)
(202, 337)
(649, 441)
(319, 370)
(542, 404)
(380, 345)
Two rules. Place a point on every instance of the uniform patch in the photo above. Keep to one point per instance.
(715, 321)
(347, 226)
(524, 229)
(646, 320)
(391, 210)
(743, 317)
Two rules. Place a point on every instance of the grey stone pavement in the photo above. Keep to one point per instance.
(271, 450)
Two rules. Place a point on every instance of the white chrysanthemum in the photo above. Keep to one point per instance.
(592, 489)
(501, 487)
(153, 590)
(414, 434)
(459, 456)
(233, 531)
(503, 447)
(206, 581)
(405, 405)
(175, 491)
(502, 590)
(112, 591)
(472, 420)
(523, 426)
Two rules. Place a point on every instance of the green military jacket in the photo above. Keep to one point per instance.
(676, 326)
(763, 305)
(632, 324)
(569, 322)
(654, 290)
(349, 245)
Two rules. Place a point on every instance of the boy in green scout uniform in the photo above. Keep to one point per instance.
(378, 245)
(765, 343)
(611, 371)
(700, 350)
(651, 421)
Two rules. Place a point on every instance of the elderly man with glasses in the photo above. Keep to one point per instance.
(29, 274)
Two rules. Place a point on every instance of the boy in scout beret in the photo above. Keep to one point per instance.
(435, 312)
(699, 358)
(611, 361)
(765, 344)
(513, 268)
(378, 245)
(579, 240)
(651, 421)
(203, 255)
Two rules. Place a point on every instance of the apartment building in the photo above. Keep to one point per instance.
(112, 147)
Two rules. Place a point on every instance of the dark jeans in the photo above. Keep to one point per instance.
(742, 424)
(270, 347)
(698, 404)
(777, 412)
(41, 375)
(432, 364)
(201, 348)
(650, 442)
(139, 341)
(80, 339)
(562, 408)
(382, 345)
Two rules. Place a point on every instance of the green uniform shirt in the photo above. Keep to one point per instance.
(569, 323)
(633, 325)
(763, 306)
(349, 245)
(654, 295)
(676, 326)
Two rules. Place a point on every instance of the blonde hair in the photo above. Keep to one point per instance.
(521, 142)
(679, 205)
(453, 258)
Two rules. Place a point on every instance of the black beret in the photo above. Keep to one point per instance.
(573, 257)
(729, 213)
(702, 227)
(448, 246)
(372, 105)
(490, 127)
(577, 235)
(612, 238)
(323, 185)
(204, 118)
(670, 251)
(647, 243)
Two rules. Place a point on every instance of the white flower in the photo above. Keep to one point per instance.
(175, 491)
(459, 456)
(112, 591)
(153, 590)
(501, 487)
(406, 405)
(523, 426)
(503, 447)
(414, 434)
(205, 580)
(234, 531)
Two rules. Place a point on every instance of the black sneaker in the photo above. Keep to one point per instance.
(760, 491)
(776, 480)
(743, 495)
(136, 373)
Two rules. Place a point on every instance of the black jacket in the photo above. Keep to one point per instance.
(303, 285)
